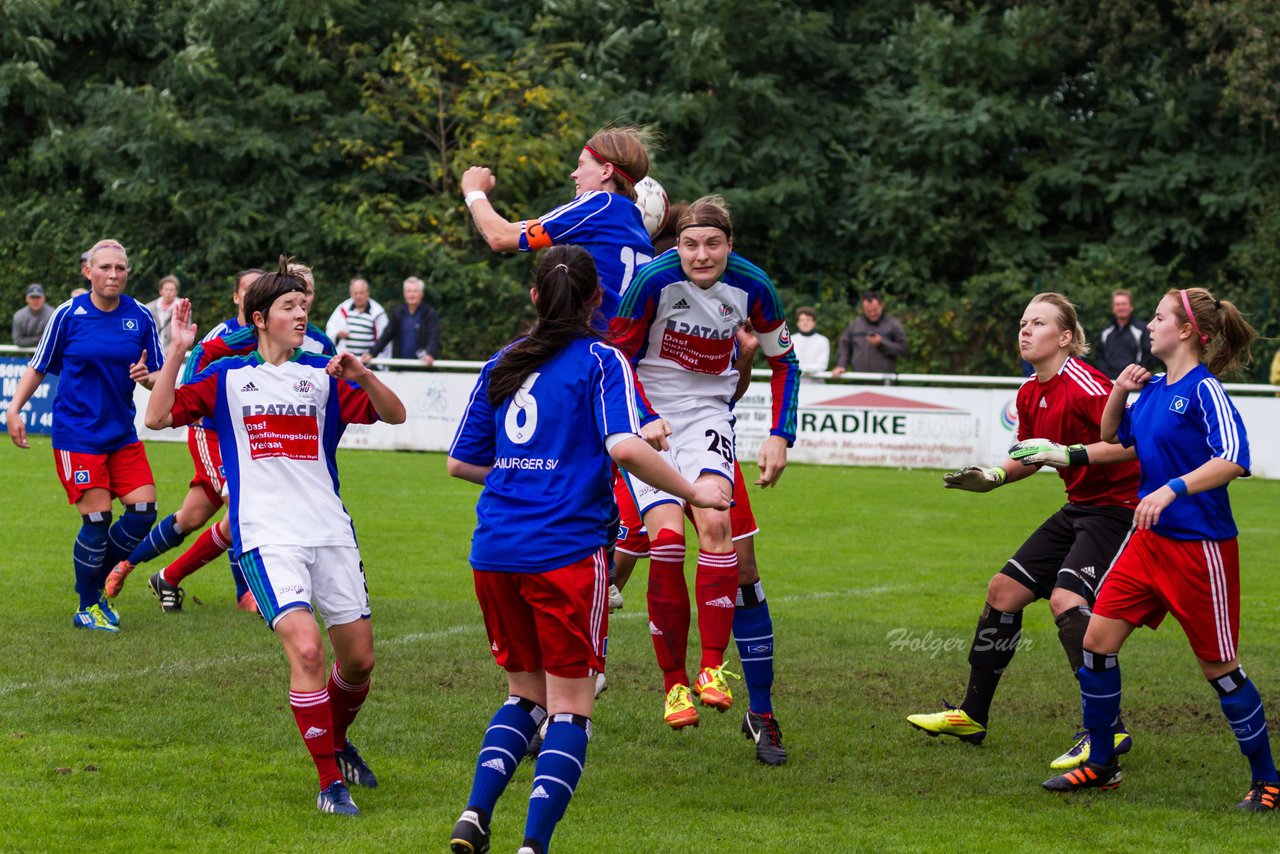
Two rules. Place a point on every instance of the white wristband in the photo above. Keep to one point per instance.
(474, 196)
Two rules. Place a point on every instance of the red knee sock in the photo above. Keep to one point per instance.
(206, 547)
(345, 701)
(717, 589)
(669, 606)
(315, 722)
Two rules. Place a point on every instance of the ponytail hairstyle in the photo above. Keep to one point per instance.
(1067, 321)
(568, 295)
(266, 289)
(1218, 329)
(627, 148)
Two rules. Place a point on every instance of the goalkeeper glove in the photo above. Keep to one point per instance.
(975, 478)
(1035, 452)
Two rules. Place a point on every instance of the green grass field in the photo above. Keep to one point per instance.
(176, 733)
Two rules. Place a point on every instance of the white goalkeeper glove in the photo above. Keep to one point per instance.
(975, 478)
(1035, 452)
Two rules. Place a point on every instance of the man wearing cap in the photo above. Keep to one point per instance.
(29, 322)
(873, 342)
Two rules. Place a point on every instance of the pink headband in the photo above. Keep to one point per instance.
(616, 167)
(1186, 304)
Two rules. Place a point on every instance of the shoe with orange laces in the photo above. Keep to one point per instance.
(1087, 776)
(679, 712)
(1262, 797)
(248, 603)
(116, 577)
(712, 687)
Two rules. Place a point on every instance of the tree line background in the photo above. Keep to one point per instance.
(959, 157)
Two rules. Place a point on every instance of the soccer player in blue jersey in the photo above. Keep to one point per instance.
(678, 324)
(280, 413)
(602, 218)
(548, 414)
(100, 344)
(1183, 558)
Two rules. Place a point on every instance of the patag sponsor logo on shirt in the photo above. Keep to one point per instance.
(1179, 404)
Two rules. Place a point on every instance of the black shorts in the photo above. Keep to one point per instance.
(1072, 550)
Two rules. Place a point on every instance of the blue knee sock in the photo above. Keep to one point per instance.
(504, 745)
(164, 536)
(1100, 701)
(1243, 707)
(753, 632)
(564, 750)
(88, 554)
(237, 575)
(126, 533)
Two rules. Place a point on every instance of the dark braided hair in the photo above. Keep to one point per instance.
(568, 294)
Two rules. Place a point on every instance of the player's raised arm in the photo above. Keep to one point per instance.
(500, 233)
(182, 335)
(348, 366)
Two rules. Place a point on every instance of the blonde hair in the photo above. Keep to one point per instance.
(1228, 334)
(106, 244)
(1068, 321)
(627, 148)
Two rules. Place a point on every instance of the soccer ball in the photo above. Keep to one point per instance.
(651, 199)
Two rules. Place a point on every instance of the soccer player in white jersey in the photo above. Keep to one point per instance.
(678, 323)
(548, 414)
(280, 413)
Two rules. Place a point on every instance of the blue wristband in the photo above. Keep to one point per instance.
(1179, 487)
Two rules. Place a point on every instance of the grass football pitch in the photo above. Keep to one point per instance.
(176, 734)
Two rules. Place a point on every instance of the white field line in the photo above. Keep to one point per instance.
(186, 666)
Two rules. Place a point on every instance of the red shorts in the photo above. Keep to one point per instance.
(206, 456)
(120, 472)
(1198, 581)
(556, 620)
(633, 539)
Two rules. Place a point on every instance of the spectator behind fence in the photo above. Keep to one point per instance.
(873, 342)
(29, 322)
(414, 326)
(1125, 341)
(1275, 370)
(358, 322)
(161, 307)
(813, 349)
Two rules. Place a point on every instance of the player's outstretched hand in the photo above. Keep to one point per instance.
(708, 493)
(477, 178)
(17, 429)
(1132, 378)
(1041, 452)
(975, 478)
(181, 330)
(138, 370)
(656, 433)
(347, 366)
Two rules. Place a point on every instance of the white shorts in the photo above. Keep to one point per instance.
(283, 578)
(701, 441)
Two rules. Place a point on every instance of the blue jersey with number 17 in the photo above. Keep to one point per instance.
(548, 499)
(610, 227)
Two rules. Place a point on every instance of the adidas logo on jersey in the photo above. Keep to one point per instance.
(249, 386)
(539, 793)
(496, 765)
(680, 303)
(1089, 571)
(1044, 404)
(654, 630)
(79, 310)
(722, 602)
(314, 732)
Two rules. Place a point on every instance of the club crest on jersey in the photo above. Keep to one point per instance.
(82, 476)
(1179, 404)
(130, 324)
(725, 310)
(784, 340)
(304, 386)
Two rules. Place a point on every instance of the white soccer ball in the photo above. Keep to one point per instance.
(651, 199)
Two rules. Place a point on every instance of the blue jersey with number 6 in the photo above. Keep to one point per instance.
(547, 500)
(607, 225)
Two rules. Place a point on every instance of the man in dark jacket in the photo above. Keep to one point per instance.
(873, 342)
(414, 327)
(1125, 341)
